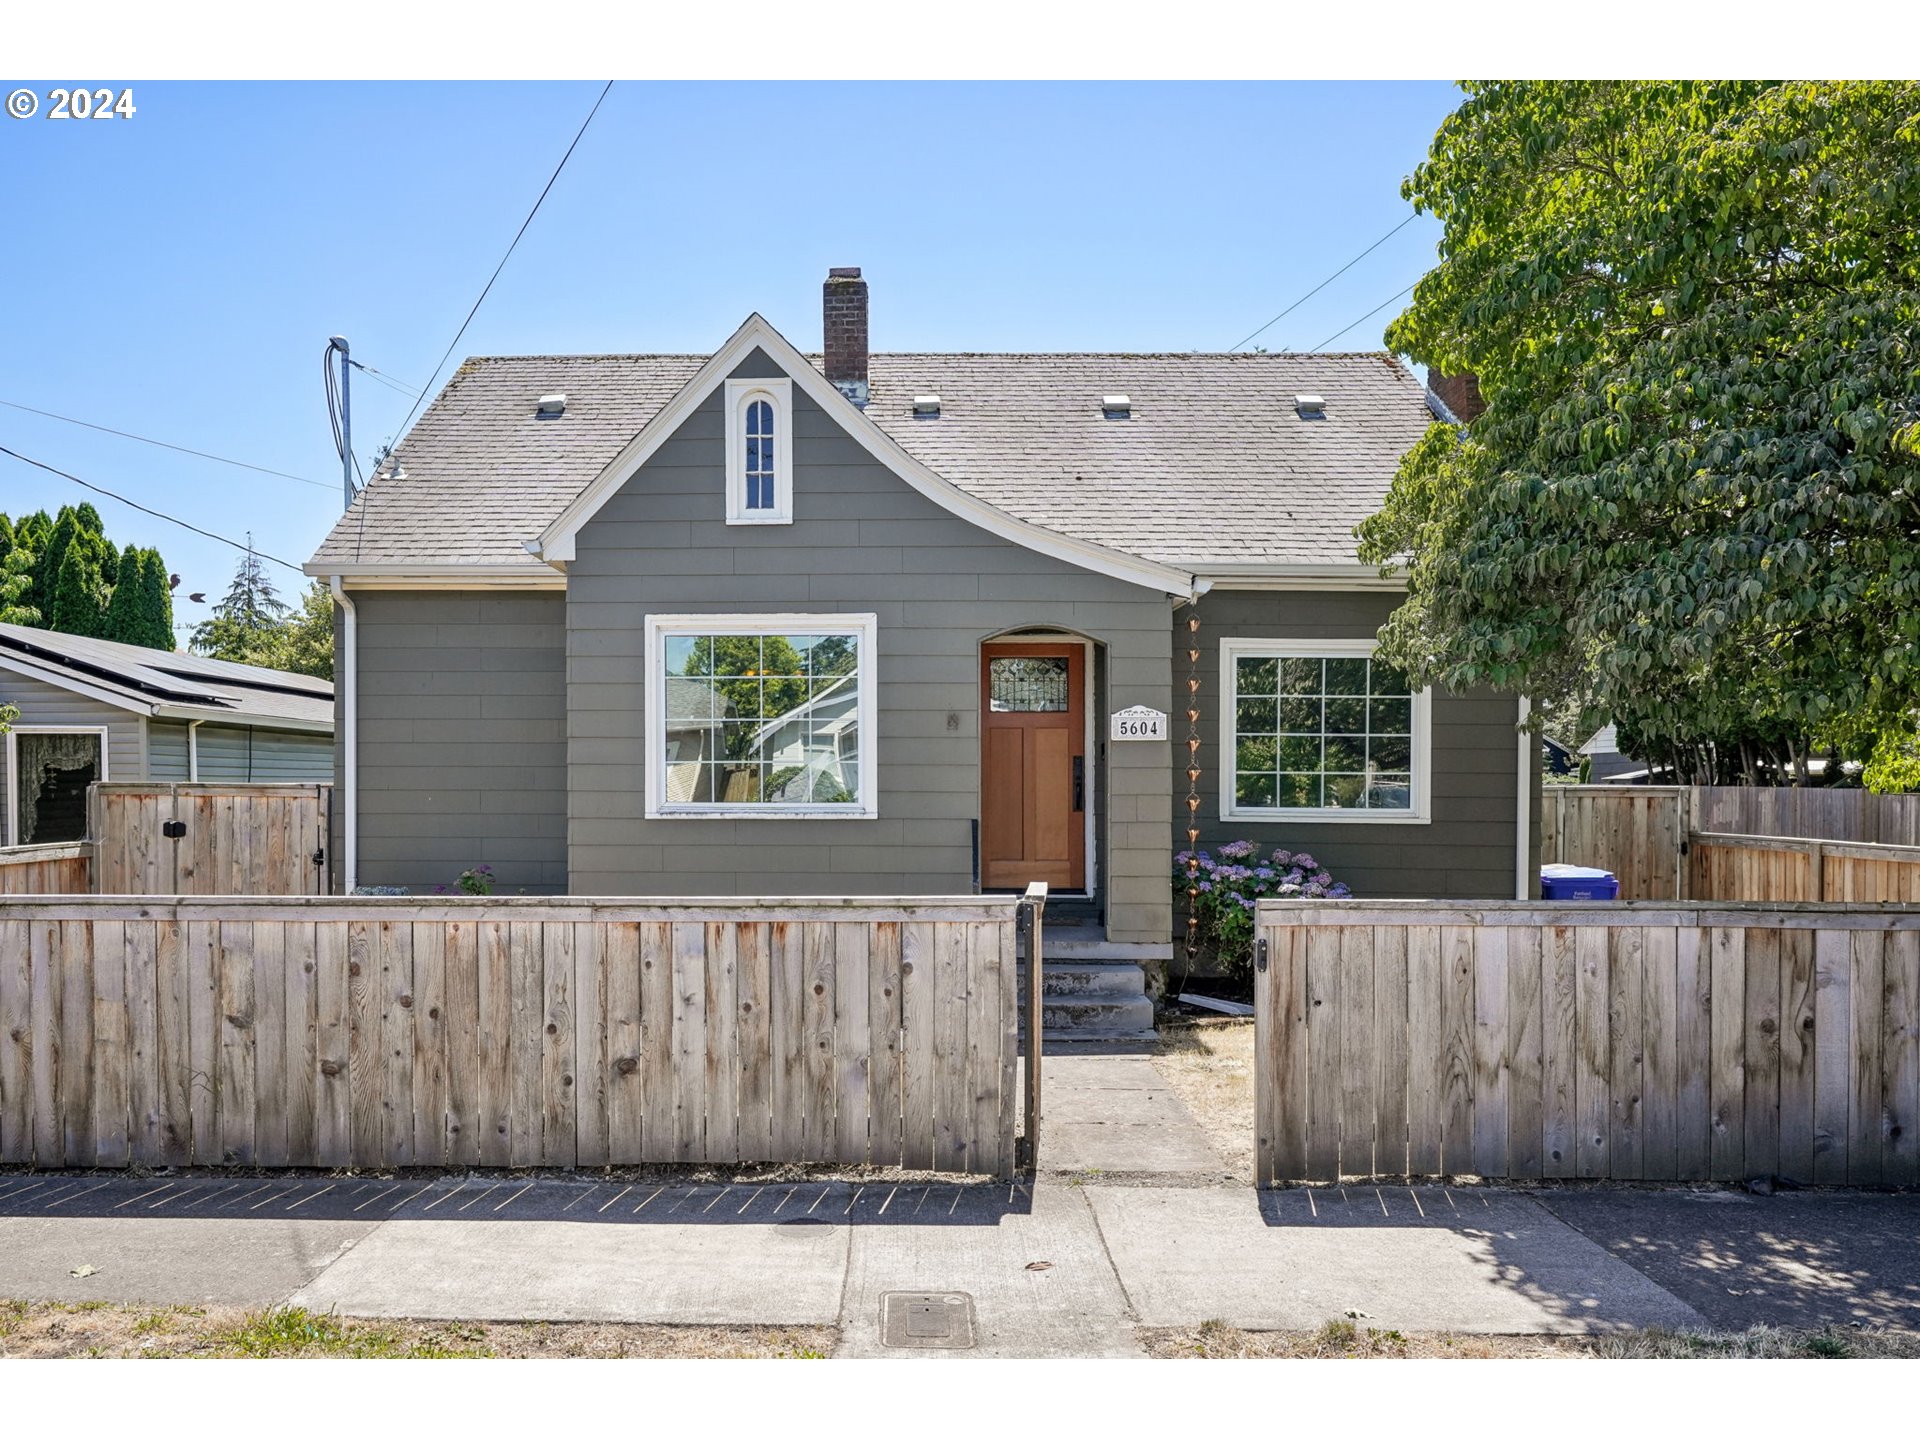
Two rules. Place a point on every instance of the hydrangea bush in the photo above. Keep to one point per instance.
(1232, 878)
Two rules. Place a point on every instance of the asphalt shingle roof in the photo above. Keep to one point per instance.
(1213, 468)
(250, 693)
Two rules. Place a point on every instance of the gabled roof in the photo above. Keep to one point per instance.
(168, 684)
(1213, 471)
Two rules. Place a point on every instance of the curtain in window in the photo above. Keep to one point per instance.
(55, 771)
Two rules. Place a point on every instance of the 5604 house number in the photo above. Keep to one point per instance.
(1137, 722)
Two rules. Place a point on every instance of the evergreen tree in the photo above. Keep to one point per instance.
(157, 600)
(30, 533)
(246, 624)
(77, 607)
(123, 618)
(48, 558)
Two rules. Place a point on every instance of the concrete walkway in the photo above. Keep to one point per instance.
(1132, 1222)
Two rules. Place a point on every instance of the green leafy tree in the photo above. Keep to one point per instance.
(156, 585)
(16, 585)
(140, 611)
(246, 624)
(1694, 311)
(306, 636)
(122, 620)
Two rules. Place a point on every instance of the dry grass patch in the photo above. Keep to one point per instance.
(1209, 1064)
(97, 1329)
(1344, 1340)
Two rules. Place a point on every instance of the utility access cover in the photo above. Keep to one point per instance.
(919, 1320)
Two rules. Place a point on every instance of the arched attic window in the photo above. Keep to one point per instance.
(759, 452)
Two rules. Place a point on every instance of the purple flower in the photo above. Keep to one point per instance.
(1305, 861)
(1283, 857)
(1206, 886)
(1321, 877)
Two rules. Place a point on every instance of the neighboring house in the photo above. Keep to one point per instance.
(99, 710)
(1606, 765)
(762, 622)
(1557, 759)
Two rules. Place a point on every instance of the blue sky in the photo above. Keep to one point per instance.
(177, 274)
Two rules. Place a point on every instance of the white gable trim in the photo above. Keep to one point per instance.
(556, 542)
(91, 688)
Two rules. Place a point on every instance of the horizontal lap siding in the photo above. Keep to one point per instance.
(862, 541)
(41, 703)
(1467, 851)
(462, 733)
(251, 755)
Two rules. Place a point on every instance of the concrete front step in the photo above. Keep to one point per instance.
(1091, 1000)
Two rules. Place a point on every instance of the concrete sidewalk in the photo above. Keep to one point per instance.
(1133, 1224)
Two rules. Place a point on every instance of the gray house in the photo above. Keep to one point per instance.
(764, 622)
(99, 710)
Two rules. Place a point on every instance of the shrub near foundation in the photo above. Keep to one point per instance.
(1231, 880)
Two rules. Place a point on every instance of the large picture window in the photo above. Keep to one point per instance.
(48, 772)
(760, 716)
(1320, 730)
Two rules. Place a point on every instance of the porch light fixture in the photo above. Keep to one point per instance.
(1116, 407)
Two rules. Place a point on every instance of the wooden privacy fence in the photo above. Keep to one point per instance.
(1810, 812)
(1636, 831)
(1645, 1042)
(166, 839)
(376, 1033)
(1763, 867)
(46, 870)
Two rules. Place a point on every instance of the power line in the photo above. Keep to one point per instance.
(1329, 280)
(148, 440)
(383, 378)
(503, 260)
(148, 510)
(1364, 318)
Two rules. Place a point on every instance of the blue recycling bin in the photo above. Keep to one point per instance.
(1577, 882)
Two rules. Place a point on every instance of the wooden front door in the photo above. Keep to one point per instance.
(1033, 758)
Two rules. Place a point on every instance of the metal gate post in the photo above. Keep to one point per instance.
(1032, 908)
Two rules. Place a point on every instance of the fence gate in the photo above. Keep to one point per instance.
(167, 839)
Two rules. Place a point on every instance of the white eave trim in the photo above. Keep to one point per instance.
(90, 687)
(241, 720)
(1296, 577)
(556, 543)
(448, 577)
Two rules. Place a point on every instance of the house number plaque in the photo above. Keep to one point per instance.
(1137, 722)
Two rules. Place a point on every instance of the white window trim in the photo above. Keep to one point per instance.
(863, 627)
(779, 394)
(1422, 811)
(13, 767)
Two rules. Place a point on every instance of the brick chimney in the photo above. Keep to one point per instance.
(1459, 393)
(843, 306)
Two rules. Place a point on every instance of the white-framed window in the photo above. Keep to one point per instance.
(49, 768)
(761, 716)
(1319, 730)
(760, 452)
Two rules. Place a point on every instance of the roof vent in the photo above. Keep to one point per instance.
(928, 405)
(1116, 407)
(550, 406)
(1311, 407)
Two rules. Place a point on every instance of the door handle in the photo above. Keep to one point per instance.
(1079, 783)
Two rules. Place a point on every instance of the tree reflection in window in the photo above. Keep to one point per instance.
(762, 719)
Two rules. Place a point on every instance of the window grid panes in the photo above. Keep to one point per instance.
(760, 458)
(761, 719)
(1318, 732)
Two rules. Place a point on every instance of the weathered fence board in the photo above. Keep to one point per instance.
(46, 870)
(1649, 1041)
(236, 840)
(1635, 831)
(380, 1033)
